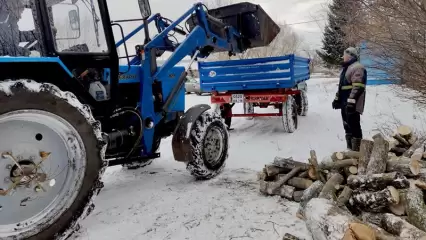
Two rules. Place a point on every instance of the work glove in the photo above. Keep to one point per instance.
(351, 106)
(336, 103)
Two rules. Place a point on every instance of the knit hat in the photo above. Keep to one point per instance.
(353, 52)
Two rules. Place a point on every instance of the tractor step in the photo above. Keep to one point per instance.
(255, 25)
(123, 160)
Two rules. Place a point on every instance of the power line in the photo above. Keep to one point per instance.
(306, 22)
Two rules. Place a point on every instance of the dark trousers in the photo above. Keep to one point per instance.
(228, 121)
(351, 123)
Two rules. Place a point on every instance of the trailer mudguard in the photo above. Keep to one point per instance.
(181, 143)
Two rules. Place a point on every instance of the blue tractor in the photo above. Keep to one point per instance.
(69, 109)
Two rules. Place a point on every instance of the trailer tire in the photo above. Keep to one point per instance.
(289, 117)
(60, 121)
(209, 139)
(302, 103)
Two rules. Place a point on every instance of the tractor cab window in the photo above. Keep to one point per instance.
(77, 26)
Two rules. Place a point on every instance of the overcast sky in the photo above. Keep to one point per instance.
(289, 11)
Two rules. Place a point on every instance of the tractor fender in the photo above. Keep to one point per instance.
(181, 144)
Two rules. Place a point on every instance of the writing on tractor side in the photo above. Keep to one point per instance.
(69, 110)
(261, 82)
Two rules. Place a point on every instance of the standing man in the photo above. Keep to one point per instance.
(350, 97)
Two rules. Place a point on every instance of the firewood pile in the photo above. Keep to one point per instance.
(376, 193)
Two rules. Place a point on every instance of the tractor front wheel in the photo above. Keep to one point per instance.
(209, 140)
(51, 161)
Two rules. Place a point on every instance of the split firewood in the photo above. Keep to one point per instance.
(398, 150)
(288, 236)
(347, 154)
(374, 201)
(272, 188)
(399, 209)
(300, 183)
(297, 196)
(379, 155)
(418, 153)
(415, 207)
(339, 164)
(314, 163)
(287, 191)
(329, 190)
(344, 196)
(395, 225)
(289, 163)
(417, 144)
(402, 141)
(378, 181)
(272, 170)
(365, 150)
(409, 168)
(358, 231)
(311, 192)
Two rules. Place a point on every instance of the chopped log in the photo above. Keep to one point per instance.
(297, 196)
(339, 187)
(329, 190)
(314, 162)
(344, 196)
(365, 150)
(272, 170)
(288, 236)
(358, 231)
(413, 139)
(402, 141)
(375, 201)
(418, 153)
(347, 154)
(420, 184)
(339, 164)
(409, 168)
(391, 156)
(399, 209)
(274, 186)
(415, 207)
(398, 151)
(312, 173)
(304, 174)
(352, 170)
(287, 191)
(393, 143)
(312, 192)
(405, 131)
(379, 155)
(417, 144)
(378, 181)
(300, 183)
(289, 163)
(394, 225)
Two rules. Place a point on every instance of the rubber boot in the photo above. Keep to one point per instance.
(349, 141)
(356, 142)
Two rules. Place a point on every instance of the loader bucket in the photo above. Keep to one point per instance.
(253, 23)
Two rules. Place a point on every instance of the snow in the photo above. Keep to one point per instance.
(162, 200)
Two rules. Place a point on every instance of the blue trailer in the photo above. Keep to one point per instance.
(261, 82)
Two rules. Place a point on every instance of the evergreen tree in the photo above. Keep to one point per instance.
(334, 36)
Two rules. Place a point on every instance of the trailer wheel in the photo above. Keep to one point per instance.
(52, 158)
(289, 117)
(209, 146)
(302, 103)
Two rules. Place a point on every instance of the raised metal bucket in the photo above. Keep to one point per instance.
(256, 26)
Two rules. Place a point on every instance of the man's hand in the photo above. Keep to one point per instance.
(351, 106)
(336, 102)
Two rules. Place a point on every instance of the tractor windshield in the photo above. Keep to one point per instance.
(77, 26)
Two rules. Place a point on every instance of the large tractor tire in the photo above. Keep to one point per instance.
(52, 159)
(209, 140)
(289, 117)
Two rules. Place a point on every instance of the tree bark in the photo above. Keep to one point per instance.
(344, 196)
(297, 196)
(399, 209)
(377, 181)
(415, 207)
(272, 188)
(329, 190)
(379, 155)
(418, 153)
(409, 168)
(402, 141)
(394, 225)
(375, 201)
(414, 146)
(314, 162)
(287, 191)
(289, 163)
(304, 174)
(339, 164)
(312, 192)
(300, 183)
(365, 150)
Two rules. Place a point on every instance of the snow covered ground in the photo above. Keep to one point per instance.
(162, 201)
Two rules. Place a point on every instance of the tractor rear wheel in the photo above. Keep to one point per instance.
(52, 158)
(209, 146)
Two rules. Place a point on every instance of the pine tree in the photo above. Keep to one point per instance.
(334, 36)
